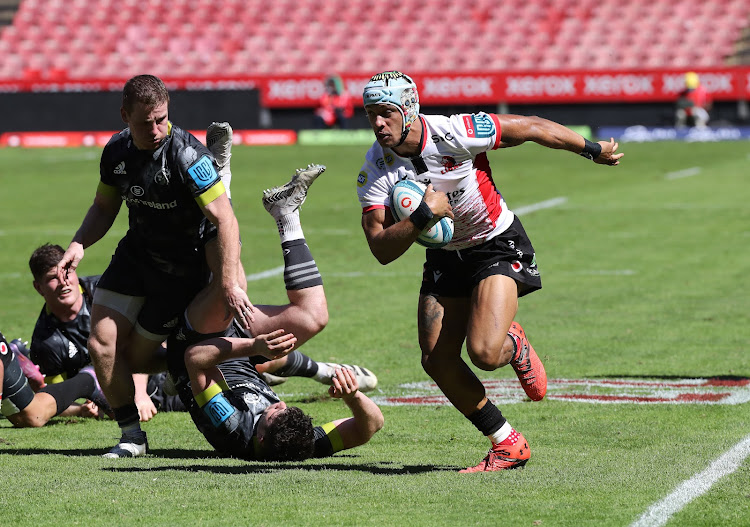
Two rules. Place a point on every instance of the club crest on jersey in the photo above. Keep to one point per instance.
(479, 125)
(449, 163)
(162, 178)
(203, 172)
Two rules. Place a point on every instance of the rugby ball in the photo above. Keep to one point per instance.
(406, 195)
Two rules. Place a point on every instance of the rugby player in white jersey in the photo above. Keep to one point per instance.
(470, 287)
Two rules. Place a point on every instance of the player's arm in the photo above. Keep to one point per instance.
(387, 239)
(146, 408)
(220, 213)
(366, 418)
(201, 359)
(517, 129)
(97, 222)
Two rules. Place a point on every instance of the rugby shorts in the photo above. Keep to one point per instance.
(457, 273)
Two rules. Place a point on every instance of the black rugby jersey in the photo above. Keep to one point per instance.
(256, 395)
(163, 190)
(60, 348)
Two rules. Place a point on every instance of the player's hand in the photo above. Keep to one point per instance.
(69, 261)
(274, 345)
(90, 409)
(608, 155)
(438, 203)
(345, 385)
(239, 305)
(146, 408)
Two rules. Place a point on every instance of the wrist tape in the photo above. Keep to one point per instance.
(591, 150)
(422, 216)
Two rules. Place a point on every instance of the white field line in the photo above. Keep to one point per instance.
(547, 204)
(660, 512)
(265, 274)
(679, 174)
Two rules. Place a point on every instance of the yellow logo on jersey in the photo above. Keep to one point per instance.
(362, 179)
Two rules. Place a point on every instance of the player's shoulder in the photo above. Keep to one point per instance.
(117, 147)
(475, 125)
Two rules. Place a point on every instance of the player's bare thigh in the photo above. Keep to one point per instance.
(305, 315)
(494, 304)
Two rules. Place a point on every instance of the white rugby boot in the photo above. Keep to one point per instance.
(219, 142)
(284, 200)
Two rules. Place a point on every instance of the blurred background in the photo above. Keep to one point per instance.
(274, 65)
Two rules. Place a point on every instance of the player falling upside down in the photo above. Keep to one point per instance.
(470, 287)
(229, 401)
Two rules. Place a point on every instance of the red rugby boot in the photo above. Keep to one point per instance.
(527, 365)
(513, 452)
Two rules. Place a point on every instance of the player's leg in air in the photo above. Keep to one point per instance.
(306, 314)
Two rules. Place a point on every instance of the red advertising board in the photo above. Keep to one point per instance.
(521, 87)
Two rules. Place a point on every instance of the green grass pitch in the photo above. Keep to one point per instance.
(645, 275)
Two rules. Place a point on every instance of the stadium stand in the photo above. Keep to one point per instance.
(84, 39)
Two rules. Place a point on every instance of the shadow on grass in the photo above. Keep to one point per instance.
(391, 469)
(252, 467)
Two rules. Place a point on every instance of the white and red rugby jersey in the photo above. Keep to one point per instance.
(453, 158)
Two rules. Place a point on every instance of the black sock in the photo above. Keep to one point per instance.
(300, 269)
(298, 364)
(127, 418)
(78, 387)
(488, 420)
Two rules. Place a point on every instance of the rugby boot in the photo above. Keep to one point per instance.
(513, 452)
(283, 200)
(219, 142)
(274, 380)
(526, 363)
(130, 445)
(98, 397)
(365, 378)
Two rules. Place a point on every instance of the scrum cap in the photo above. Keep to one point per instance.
(397, 89)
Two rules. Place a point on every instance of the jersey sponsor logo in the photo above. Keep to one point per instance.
(72, 350)
(469, 125)
(120, 169)
(170, 324)
(203, 172)
(386, 160)
(137, 191)
(152, 204)
(3, 348)
(362, 179)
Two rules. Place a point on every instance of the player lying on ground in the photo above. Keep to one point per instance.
(24, 408)
(241, 416)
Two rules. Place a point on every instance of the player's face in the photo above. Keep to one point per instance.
(148, 125)
(55, 292)
(268, 417)
(386, 122)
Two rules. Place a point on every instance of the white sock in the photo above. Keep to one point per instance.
(290, 227)
(501, 434)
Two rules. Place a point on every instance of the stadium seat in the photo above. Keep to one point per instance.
(307, 36)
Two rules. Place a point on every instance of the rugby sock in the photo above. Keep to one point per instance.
(290, 227)
(487, 419)
(214, 404)
(503, 434)
(300, 269)
(129, 421)
(298, 365)
(64, 393)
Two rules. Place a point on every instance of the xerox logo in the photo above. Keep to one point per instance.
(545, 85)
